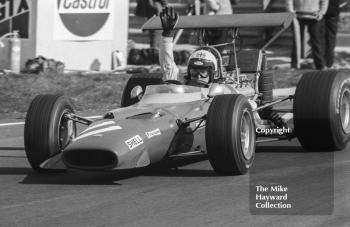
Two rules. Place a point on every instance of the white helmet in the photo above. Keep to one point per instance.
(203, 58)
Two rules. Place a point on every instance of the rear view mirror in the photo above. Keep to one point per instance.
(136, 92)
(215, 89)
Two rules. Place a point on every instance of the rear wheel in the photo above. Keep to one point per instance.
(47, 131)
(322, 110)
(230, 134)
(141, 80)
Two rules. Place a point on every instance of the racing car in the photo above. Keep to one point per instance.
(165, 120)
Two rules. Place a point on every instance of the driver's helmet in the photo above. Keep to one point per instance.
(202, 66)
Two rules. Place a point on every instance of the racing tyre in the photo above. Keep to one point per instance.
(141, 80)
(230, 134)
(47, 131)
(322, 110)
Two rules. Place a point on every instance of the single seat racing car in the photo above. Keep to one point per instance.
(163, 120)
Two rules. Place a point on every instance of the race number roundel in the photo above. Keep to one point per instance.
(84, 17)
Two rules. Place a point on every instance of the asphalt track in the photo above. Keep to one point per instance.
(191, 195)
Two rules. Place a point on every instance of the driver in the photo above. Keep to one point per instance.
(202, 65)
(201, 68)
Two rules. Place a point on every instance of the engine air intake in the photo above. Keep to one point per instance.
(90, 159)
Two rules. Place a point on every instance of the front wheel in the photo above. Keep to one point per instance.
(47, 131)
(230, 135)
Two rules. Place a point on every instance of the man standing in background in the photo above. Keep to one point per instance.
(218, 7)
(310, 13)
(213, 7)
(331, 20)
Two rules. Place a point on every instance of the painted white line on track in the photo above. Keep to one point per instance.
(22, 123)
(12, 124)
(35, 202)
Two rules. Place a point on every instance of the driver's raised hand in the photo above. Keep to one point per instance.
(169, 19)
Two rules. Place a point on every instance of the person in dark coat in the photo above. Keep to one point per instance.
(331, 20)
(148, 8)
(217, 7)
(310, 14)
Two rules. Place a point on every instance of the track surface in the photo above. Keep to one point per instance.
(190, 196)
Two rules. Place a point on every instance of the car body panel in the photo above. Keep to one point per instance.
(142, 134)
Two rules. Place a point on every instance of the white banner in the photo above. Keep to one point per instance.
(84, 20)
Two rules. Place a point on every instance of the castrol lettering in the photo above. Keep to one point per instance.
(84, 6)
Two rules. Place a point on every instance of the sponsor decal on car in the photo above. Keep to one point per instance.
(134, 142)
(153, 133)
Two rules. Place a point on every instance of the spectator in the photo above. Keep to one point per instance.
(331, 20)
(213, 7)
(218, 7)
(310, 13)
(148, 8)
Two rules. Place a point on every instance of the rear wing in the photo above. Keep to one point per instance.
(226, 21)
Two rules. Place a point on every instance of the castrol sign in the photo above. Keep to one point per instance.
(84, 20)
